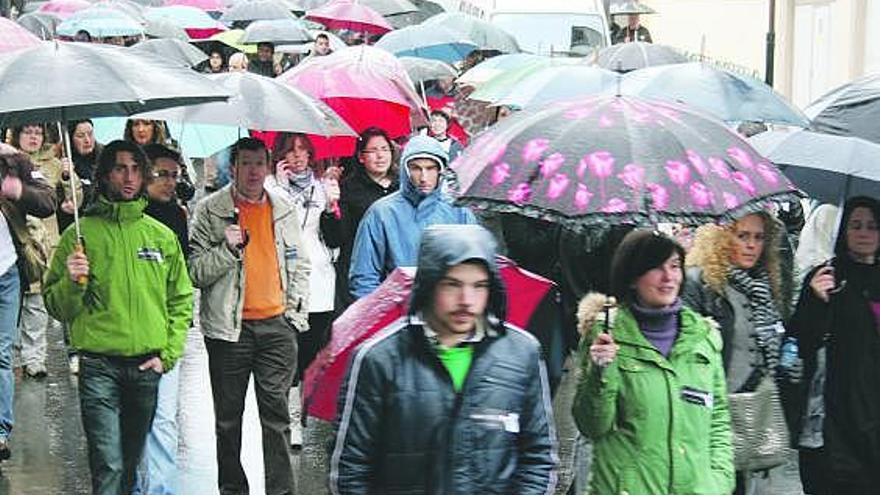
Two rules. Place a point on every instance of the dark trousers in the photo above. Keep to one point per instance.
(117, 402)
(266, 348)
(311, 342)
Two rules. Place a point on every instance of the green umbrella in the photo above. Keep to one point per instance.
(499, 86)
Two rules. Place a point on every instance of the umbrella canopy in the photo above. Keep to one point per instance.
(433, 42)
(625, 57)
(726, 95)
(231, 39)
(15, 37)
(423, 69)
(483, 34)
(42, 24)
(489, 68)
(278, 31)
(426, 10)
(127, 7)
(358, 81)
(343, 14)
(196, 22)
(826, 167)
(256, 10)
(852, 109)
(206, 5)
(60, 81)
(526, 294)
(100, 22)
(336, 44)
(499, 86)
(625, 7)
(163, 28)
(64, 8)
(254, 104)
(390, 7)
(558, 83)
(172, 50)
(616, 159)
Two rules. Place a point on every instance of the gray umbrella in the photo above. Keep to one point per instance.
(850, 110)
(423, 69)
(60, 81)
(483, 34)
(826, 167)
(128, 7)
(42, 24)
(256, 10)
(624, 7)
(625, 57)
(172, 50)
(163, 28)
(390, 7)
(277, 31)
(256, 103)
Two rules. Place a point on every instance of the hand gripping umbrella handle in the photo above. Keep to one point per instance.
(79, 249)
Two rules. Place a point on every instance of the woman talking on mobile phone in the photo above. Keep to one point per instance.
(836, 324)
(651, 394)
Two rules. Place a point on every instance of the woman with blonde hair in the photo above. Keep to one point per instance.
(735, 277)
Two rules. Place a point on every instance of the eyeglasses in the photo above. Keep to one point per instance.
(166, 175)
(370, 151)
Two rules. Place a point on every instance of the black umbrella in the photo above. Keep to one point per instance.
(850, 110)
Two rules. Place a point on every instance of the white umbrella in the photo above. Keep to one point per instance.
(261, 103)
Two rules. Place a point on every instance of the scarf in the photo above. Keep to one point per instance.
(766, 320)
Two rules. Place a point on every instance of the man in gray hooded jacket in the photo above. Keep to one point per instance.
(388, 235)
(448, 399)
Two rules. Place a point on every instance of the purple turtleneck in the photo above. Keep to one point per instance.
(658, 325)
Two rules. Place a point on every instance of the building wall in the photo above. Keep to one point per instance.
(820, 44)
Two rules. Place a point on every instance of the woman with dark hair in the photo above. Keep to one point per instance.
(32, 139)
(216, 63)
(144, 132)
(373, 176)
(837, 324)
(651, 395)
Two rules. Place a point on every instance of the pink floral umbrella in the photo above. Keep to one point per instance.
(345, 14)
(15, 37)
(365, 86)
(617, 159)
(206, 5)
(64, 8)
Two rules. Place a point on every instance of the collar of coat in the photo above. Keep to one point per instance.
(117, 211)
(221, 204)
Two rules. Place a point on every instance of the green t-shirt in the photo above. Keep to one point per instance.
(457, 361)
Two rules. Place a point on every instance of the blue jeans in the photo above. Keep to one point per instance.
(117, 403)
(157, 472)
(10, 303)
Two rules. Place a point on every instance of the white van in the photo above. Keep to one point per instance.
(545, 27)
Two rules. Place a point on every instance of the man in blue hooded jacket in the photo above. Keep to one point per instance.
(448, 399)
(388, 235)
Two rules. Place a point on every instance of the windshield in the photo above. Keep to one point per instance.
(554, 33)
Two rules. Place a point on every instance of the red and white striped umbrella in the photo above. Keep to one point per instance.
(15, 37)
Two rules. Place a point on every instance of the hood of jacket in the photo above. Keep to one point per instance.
(118, 211)
(421, 147)
(444, 246)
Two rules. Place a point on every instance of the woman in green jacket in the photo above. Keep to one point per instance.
(651, 395)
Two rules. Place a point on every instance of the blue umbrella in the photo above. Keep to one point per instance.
(195, 140)
(100, 22)
(728, 96)
(432, 42)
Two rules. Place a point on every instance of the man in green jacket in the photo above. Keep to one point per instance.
(128, 301)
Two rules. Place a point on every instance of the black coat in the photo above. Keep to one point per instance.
(173, 216)
(848, 328)
(402, 429)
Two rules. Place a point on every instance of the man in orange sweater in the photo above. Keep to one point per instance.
(248, 259)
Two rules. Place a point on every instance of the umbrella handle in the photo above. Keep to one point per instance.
(79, 249)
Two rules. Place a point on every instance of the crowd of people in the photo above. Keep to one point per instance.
(672, 335)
